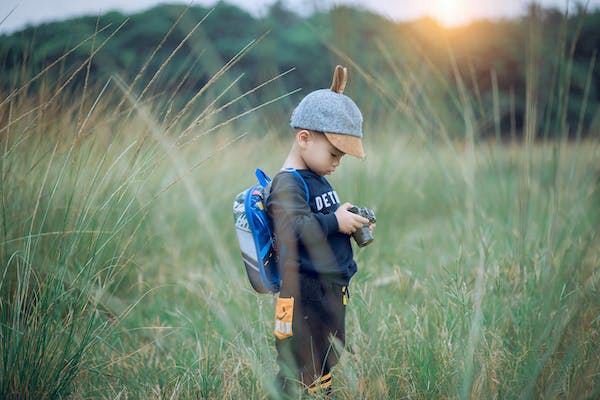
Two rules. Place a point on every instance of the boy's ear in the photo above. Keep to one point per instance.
(303, 136)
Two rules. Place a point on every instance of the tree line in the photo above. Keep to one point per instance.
(494, 72)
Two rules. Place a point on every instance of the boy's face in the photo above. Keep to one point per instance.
(318, 153)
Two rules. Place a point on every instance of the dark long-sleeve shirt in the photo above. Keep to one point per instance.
(307, 233)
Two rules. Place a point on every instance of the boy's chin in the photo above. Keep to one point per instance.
(322, 172)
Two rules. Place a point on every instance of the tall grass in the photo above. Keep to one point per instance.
(79, 176)
(121, 276)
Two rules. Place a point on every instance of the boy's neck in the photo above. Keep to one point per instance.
(294, 160)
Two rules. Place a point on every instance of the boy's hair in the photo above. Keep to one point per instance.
(331, 112)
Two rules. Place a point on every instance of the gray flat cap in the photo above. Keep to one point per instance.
(327, 111)
(336, 115)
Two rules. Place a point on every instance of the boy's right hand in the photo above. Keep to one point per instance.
(349, 222)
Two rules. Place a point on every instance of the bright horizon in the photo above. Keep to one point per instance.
(17, 14)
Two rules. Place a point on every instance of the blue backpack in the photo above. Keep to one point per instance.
(255, 233)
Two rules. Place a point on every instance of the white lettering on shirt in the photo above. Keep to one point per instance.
(326, 200)
(319, 203)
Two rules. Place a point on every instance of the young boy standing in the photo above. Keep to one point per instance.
(312, 232)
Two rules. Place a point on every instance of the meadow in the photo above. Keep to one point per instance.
(121, 276)
(122, 279)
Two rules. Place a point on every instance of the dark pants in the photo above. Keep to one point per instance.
(318, 337)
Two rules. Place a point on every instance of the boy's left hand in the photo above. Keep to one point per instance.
(372, 227)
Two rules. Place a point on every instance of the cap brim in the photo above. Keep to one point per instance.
(348, 144)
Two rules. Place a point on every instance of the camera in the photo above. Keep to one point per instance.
(363, 235)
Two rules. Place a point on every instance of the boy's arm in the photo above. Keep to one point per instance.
(291, 212)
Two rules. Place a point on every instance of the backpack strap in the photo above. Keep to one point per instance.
(299, 176)
(263, 178)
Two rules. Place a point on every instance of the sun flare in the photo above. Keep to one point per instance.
(450, 12)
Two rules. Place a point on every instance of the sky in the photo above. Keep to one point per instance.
(16, 14)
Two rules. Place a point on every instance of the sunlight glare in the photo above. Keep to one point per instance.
(450, 12)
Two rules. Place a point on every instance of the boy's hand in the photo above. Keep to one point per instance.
(349, 222)
(372, 227)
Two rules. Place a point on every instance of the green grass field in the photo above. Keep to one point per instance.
(121, 276)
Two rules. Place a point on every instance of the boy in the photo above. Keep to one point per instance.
(312, 231)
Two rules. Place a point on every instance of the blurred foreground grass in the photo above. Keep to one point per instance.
(483, 280)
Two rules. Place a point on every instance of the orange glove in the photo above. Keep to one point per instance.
(284, 313)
